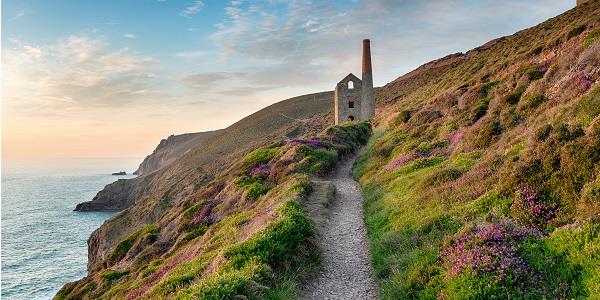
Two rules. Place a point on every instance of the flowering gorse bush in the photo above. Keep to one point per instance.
(530, 208)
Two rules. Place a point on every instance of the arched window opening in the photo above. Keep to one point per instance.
(350, 85)
(351, 104)
(350, 118)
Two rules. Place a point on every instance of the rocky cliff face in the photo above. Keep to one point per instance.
(114, 197)
(146, 198)
(171, 148)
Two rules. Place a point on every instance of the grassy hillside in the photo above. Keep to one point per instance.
(482, 179)
(244, 235)
(146, 198)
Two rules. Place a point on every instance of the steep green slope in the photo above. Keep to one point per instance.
(144, 199)
(482, 179)
(245, 235)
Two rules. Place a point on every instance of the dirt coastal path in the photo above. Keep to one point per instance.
(346, 269)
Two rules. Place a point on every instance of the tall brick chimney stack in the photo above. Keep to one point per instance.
(367, 102)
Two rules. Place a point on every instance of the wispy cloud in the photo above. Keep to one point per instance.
(311, 42)
(80, 69)
(20, 14)
(205, 80)
(192, 9)
(130, 35)
(191, 54)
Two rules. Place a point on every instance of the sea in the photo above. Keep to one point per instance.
(44, 242)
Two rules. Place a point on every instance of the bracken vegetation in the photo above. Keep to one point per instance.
(245, 235)
(481, 180)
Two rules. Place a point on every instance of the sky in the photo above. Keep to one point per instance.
(88, 78)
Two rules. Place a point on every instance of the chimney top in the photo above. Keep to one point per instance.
(366, 57)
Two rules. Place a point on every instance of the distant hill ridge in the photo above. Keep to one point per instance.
(171, 148)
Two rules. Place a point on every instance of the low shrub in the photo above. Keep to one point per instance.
(532, 102)
(235, 284)
(425, 116)
(533, 71)
(426, 148)
(149, 232)
(255, 189)
(252, 264)
(486, 88)
(111, 276)
(531, 208)
(588, 208)
(421, 163)
(485, 134)
(301, 187)
(480, 110)
(575, 31)
(194, 233)
(591, 38)
(510, 118)
(542, 133)
(400, 161)
(317, 161)
(515, 96)
(404, 116)
(444, 175)
(260, 156)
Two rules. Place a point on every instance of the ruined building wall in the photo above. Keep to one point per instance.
(353, 98)
(345, 97)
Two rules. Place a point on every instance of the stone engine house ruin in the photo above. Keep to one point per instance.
(353, 97)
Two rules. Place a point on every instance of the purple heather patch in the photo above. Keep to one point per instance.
(583, 81)
(455, 138)
(260, 170)
(313, 143)
(203, 217)
(400, 161)
(489, 250)
(530, 208)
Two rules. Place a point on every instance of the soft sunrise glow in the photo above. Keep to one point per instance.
(104, 79)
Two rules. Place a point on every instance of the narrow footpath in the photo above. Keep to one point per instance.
(346, 269)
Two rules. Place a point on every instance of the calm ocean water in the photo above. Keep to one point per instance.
(43, 240)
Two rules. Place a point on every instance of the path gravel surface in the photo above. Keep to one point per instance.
(346, 270)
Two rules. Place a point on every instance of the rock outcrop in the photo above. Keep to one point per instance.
(114, 197)
(171, 148)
